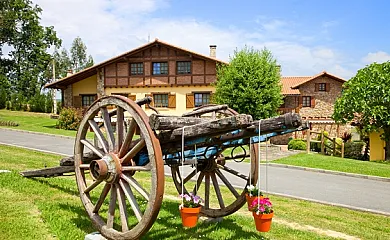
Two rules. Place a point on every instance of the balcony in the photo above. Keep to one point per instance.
(288, 110)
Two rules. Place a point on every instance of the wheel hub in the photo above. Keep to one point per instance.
(105, 169)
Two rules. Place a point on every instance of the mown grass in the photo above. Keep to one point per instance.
(49, 208)
(314, 160)
(35, 122)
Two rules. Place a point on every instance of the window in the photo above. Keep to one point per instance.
(87, 100)
(160, 100)
(183, 67)
(201, 99)
(136, 68)
(306, 101)
(322, 87)
(160, 68)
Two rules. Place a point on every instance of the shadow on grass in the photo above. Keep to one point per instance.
(52, 127)
(47, 182)
(168, 225)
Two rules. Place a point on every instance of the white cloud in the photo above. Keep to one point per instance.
(111, 27)
(378, 57)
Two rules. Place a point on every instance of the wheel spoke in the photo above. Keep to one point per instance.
(92, 186)
(234, 172)
(111, 207)
(146, 168)
(133, 151)
(122, 208)
(129, 137)
(92, 148)
(189, 176)
(119, 127)
(130, 196)
(134, 183)
(102, 197)
(207, 191)
(198, 182)
(227, 183)
(108, 126)
(217, 190)
(99, 134)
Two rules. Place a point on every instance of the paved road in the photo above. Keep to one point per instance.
(339, 190)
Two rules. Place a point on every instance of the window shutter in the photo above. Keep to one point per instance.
(131, 97)
(317, 87)
(172, 101)
(313, 102)
(190, 100)
(152, 103)
(300, 101)
(77, 101)
(327, 87)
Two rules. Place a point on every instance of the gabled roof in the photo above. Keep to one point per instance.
(62, 83)
(322, 74)
(290, 85)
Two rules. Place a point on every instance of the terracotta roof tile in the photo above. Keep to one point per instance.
(288, 82)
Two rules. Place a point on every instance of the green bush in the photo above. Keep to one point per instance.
(69, 118)
(297, 144)
(354, 150)
(41, 103)
(3, 98)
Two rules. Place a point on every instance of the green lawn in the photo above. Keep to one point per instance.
(314, 160)
(35, 122)
(49, 208)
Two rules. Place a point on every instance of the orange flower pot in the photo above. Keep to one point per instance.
(250, 199)
(189, 216)
(263, 221)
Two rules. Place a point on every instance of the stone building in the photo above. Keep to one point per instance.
(313, 97)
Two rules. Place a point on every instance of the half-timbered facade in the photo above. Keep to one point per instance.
(176, 78)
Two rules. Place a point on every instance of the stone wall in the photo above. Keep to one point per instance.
(68, 96)
(100, 83)
(324, 101)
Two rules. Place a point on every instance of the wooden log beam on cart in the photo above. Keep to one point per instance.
(161, 122)
(209, 128)
(48, 172)
(206, 110)
(289, 121)
(277, 124)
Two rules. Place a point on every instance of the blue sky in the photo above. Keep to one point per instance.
(306, 37)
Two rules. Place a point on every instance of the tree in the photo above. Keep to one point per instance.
(78, 53)
(366, 101)
(250, 84)
(27, 41)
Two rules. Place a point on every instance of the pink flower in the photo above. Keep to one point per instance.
(262, 209)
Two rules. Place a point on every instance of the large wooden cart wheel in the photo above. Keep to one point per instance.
(122, 189)
(217, 172)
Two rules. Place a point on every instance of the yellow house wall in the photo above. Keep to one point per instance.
(179, 91)
(377, 145)
(85, 86)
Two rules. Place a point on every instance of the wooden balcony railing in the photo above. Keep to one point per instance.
(288, 110)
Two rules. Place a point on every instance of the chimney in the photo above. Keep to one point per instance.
(213, 51)
(69, 72)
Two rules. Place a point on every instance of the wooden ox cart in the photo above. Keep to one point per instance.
(129, 147)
